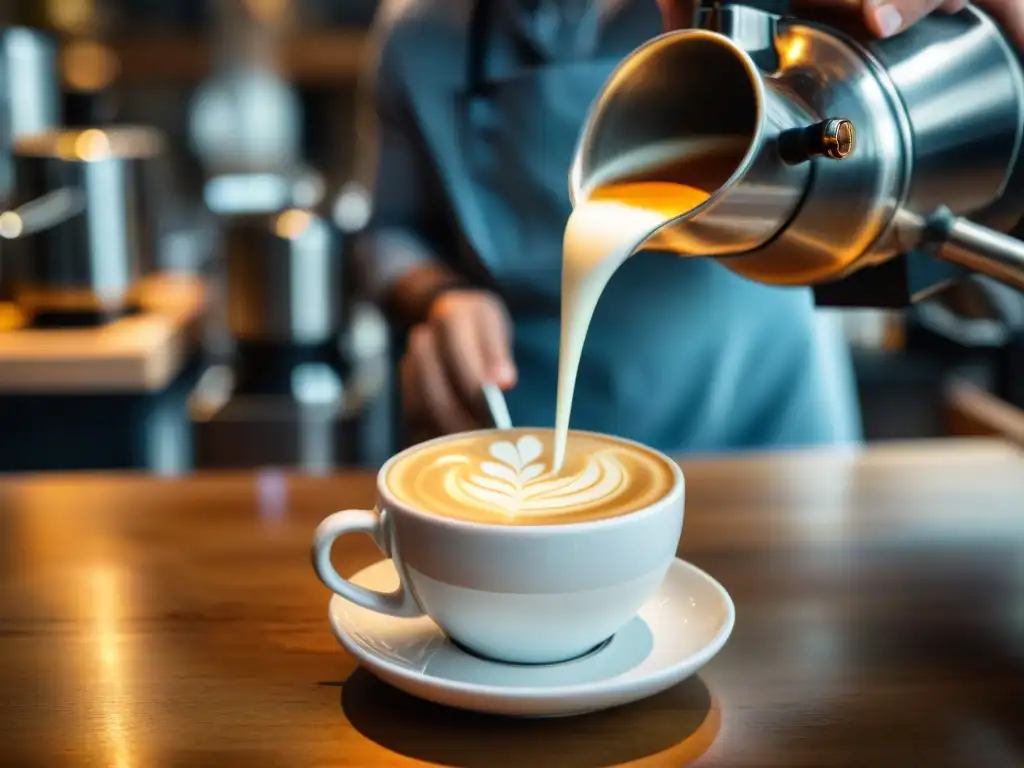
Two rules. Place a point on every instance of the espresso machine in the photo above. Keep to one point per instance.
(95, 372)
(876, 171)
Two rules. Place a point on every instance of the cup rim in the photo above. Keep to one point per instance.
(389, 501)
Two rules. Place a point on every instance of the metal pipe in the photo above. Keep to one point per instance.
(978, 248)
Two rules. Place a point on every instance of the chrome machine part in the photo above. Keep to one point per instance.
(283, 278)
(83, 219)
(29, 94)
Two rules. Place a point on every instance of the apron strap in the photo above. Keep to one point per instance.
(480, 21)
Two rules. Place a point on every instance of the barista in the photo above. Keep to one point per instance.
(479, 105)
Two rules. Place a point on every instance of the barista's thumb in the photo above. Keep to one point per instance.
(479, 332)
(495, 338)
(887, 17)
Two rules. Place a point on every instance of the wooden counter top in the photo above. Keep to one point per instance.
(880, 622)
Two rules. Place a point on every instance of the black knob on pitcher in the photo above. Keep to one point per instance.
(834, 138)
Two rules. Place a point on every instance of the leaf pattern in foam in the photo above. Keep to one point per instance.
(500, 471)
(516, 483)
(567, 486)
(515, 460)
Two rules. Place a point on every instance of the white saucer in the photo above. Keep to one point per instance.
(677, 632)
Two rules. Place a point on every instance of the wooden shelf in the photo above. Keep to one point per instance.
(141, 353)
(316, 58)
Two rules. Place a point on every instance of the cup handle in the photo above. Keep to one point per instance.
(399, 603)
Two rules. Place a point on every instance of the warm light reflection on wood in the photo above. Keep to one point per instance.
(694, 746)
(106, 603)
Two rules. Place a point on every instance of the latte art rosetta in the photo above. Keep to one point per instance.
(506, 477)
(518, 483)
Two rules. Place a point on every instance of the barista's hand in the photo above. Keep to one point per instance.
(883, 17)
(889, 17)
(464, 343)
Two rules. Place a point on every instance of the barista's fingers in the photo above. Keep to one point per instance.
(1010, 16)
(460, 351)
(953, 6)
(412, 398)
(494, 338)
(887, 17)
(428, 384)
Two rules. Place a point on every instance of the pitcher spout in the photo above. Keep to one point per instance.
(692, 108)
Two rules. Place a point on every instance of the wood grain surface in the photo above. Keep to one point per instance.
(880, 622)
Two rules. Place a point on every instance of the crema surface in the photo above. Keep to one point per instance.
(506, 478)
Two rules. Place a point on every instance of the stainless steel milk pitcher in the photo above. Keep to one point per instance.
(823, 153)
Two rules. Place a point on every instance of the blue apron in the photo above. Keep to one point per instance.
(681, 354)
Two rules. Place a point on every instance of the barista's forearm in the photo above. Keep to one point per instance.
(402, 273)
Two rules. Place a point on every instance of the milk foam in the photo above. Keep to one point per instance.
(507, 477)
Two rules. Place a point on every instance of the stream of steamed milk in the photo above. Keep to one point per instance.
(641, 190)
(603, 231)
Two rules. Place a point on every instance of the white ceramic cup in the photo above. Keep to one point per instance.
(522, 594)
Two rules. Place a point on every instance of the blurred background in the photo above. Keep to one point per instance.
(176, 223)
